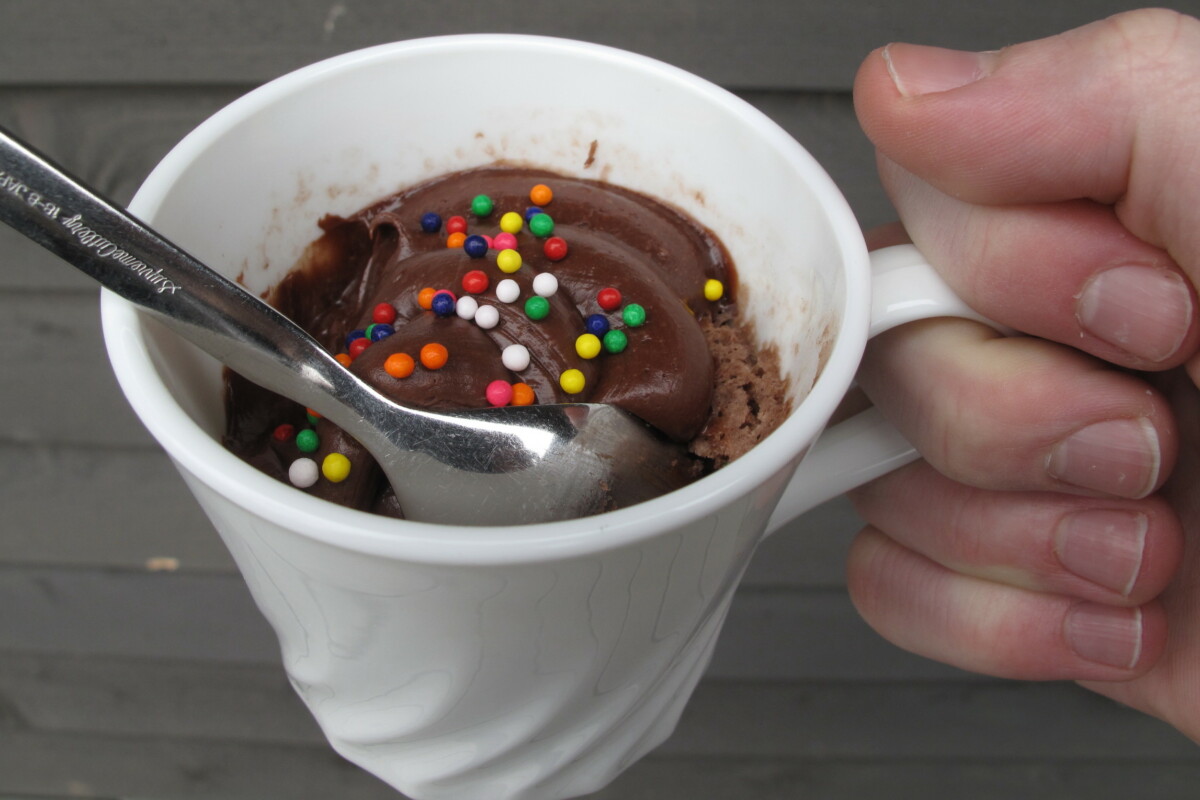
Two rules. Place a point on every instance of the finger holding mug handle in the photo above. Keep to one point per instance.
(905, 288)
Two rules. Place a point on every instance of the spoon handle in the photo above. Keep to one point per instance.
(40, 200)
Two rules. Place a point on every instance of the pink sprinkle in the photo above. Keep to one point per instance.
(491, 243)
(499, 393)
(505, 241)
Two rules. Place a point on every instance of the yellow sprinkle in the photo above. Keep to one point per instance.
(335, 467)
(512, 222)
(588, 345)
(571, 381)
(713, 289)
(508, 261)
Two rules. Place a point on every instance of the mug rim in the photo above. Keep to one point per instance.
(203, 457)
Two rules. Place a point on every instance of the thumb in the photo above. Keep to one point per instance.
(1104, 112)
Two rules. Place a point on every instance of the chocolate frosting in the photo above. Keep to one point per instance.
(654, 255)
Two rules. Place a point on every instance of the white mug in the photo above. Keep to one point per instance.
(459, 663)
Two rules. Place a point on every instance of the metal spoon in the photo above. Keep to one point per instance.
(494, 466)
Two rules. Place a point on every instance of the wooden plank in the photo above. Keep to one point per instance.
(57, 768)
(750, 43)
(811, 635)
(132, 697)
(109, 137)
(206, 770)
(887, 779)
(59, 387)
(978, 721)
(973, 720)
(26, 266)
(825, 124)
(82, 507)
(770, 634)
(153, 767)
(205, 618)
(810, 552)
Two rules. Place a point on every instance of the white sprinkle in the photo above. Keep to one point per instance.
(507, 291)
(515, 357)
(487, 317)
(545, 284)
(466, 307)
(303, 472)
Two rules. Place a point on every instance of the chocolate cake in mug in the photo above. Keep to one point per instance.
(508, 285)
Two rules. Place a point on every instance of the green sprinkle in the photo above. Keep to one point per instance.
(482, 205)
(307, 441)
(615, 341)
(541, 225)
(633, 315)
(537, 307)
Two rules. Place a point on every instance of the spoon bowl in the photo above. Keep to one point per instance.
(493, 466)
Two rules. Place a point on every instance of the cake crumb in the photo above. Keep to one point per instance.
(750, 398)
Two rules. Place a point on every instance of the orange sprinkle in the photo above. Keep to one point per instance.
(522, 394)
(344, 359)
(541, 194)
(425, 297)
(399, 365)
(312, 413)
(456, 239)
(434, 356)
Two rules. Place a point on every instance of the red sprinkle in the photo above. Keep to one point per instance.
(475, 282)
(555, 248)
(609, 299)
(456, 225)
(384, 313)
(284, 432)
(358, 345)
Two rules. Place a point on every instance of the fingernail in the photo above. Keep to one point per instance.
(1105, 634)
(917, 69)
(1145, 311)
(1103, 546)
(1119, 457)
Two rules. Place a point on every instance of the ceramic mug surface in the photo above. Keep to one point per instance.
(524, 662)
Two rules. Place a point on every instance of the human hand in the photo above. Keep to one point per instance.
(1056, 186)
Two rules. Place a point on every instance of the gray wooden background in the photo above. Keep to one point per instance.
(132, 663)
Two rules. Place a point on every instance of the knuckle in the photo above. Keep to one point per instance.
(1155, 43)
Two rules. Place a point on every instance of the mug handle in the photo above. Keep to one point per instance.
(904, 288)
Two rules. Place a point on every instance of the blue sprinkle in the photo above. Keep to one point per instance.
(596, 324)
(359, 334)
(529, 212)
(381, 330)
(431, 223)
(476, 246)
(443, 305)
